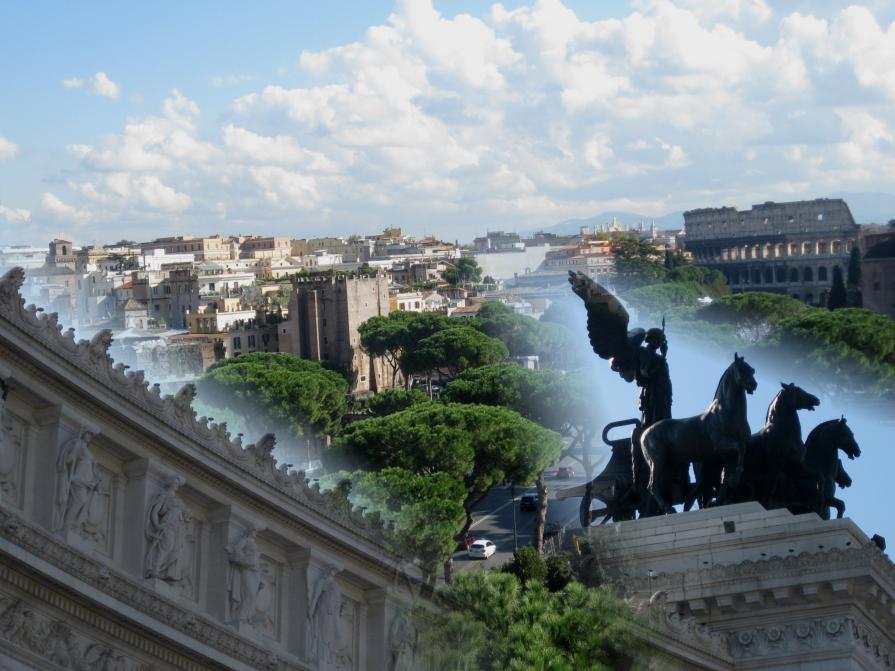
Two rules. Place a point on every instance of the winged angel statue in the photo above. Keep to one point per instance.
(637, 355)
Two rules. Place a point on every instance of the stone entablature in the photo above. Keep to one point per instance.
(759, 589)
(208, 553)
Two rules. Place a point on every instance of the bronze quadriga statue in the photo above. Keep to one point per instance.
(649, 472)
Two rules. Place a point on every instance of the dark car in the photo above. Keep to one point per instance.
(528, 502)
(565, 472)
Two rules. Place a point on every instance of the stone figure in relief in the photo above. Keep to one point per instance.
(167, 525)
(77, 483)
(402, 642)
(244, 581)
(324, 605)
(8, 448)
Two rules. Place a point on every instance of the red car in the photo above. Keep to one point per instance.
(565, 472)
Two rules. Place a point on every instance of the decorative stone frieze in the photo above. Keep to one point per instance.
(91, 357)
(210, 553)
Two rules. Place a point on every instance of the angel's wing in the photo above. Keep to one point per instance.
(607, 325)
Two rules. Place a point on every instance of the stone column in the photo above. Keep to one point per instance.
(141, 484)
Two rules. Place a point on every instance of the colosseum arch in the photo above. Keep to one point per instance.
(822, 274)
(808, 275)
(780, 272)
(794, 275)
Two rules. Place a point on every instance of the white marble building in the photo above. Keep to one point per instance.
(740, 587)
(136, 537)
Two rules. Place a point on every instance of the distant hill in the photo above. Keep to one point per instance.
(866, 208)
(869, 208)
(673, 220)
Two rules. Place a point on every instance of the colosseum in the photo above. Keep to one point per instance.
(778, 247)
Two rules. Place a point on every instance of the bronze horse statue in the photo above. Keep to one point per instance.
(777, 449)
(822, 461)
(720, 435)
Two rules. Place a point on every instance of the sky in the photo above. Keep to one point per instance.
(298, 118)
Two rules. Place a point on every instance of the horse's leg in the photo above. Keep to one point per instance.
(842, 478)
(695, 490)
(656, 464)
(839, 505)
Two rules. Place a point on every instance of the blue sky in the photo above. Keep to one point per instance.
(446, 117)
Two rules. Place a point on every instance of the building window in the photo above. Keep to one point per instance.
(794, 276)
(251, 340)
(237, 343)
(808, 276)
(822, 274)
(211, 286)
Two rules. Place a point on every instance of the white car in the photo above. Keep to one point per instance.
(482, 549)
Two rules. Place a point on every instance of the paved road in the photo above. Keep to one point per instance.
(493, 519)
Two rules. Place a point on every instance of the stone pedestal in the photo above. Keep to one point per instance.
(741, 587)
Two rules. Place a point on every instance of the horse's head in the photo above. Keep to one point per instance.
(743, 374)
(797, 398)
(844, 439)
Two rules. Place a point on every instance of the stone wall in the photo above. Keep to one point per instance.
(136, 536)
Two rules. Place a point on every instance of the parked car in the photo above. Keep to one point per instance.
(528, 501)
(482, 549)
(565, 472)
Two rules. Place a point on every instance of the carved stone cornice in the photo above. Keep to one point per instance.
(132, 593)
(91, 358)
(867, 558)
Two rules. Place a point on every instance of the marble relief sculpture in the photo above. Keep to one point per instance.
(8, 448)
(324, 607)
(402, 642)
(167, 526)
(244, 580)
(77, 485)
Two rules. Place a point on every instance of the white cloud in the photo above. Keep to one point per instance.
(8, 148)
(99, 84)
(54, 207)
(103, 86)
(520, 117)
(14, 215)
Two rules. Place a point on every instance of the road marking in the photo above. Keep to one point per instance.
(492, 513)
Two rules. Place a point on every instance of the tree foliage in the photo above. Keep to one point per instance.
(271, 388)
(477, 445)
(523, 335)
(453, 350)
(753, 314)
(493, 621)
(422, 512)
(837, 298)
(390, 401)
(392, 336)
(463, 271)
(856, 345)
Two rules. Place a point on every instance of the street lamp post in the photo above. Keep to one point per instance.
(513, 506)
